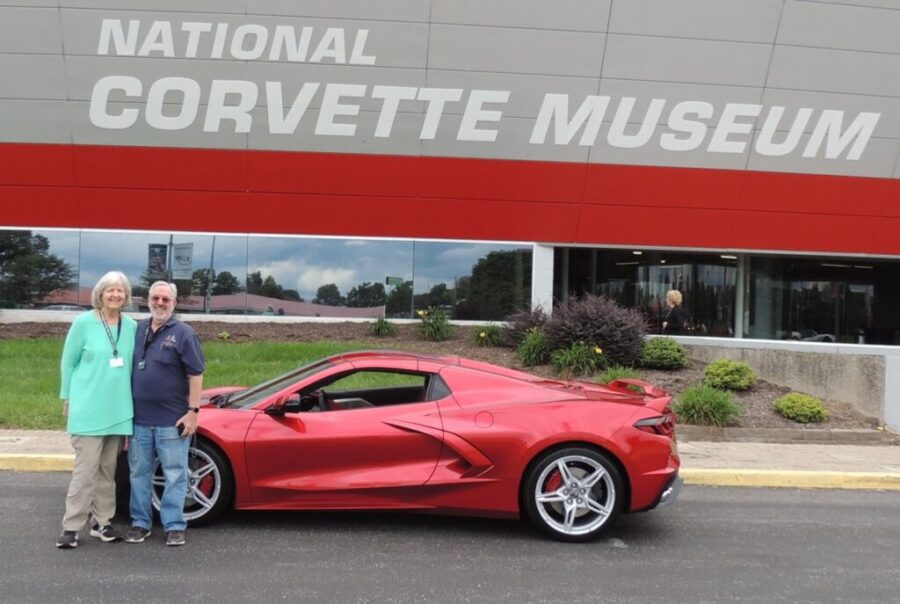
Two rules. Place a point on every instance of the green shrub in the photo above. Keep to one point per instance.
(382, 328)
(617, 372)
(618, 330)
(707, 406)
(520, 323)
(729, 375)
(486, 335)
(434, 326)
(533, 349)
(223, 335)
(663, 353)
(578, 359)
(801, 408)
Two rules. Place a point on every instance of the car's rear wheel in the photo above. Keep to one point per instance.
(573, 494)
(210, 485)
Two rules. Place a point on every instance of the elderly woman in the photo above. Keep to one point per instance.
(676, 317)
(96, 390)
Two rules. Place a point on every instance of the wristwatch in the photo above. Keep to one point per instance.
(194, 409)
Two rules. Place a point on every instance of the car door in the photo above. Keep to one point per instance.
(355, 457)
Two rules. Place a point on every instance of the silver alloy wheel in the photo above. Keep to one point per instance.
(583, 499)
(204, 485)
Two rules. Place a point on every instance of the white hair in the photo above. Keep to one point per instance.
(171, 286)
(106, 281)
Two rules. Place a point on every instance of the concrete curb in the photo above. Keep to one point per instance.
(796, 479)
(702, 477)
(23, 462)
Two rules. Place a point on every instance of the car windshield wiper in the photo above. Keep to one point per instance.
(220, 400)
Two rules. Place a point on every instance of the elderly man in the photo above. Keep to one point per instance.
(166, 383)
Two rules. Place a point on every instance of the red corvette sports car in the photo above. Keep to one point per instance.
(405, 431)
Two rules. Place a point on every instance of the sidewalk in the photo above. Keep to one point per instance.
(703, 463)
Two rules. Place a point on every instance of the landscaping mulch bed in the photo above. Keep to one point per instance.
(756, 403)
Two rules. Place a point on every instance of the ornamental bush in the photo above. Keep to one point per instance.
(802, 408)
(434, 325)
(617, 372)
(729, 375)
(533, 348)
(618, 330)
(520, 323)
(663, 353)
(707, 406)
(578, 359)
(486, 335)
(382, 328)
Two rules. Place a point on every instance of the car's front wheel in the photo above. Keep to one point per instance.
(210, 484)
(572, 494)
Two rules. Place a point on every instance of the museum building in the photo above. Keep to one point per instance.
(356, 159)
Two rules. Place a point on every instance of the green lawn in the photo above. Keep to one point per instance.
(29, 373)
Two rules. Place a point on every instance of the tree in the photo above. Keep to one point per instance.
(329, 295)
(366, 295)
(28, 271)
(200, 281)
(440, 295)
(254, 282)
(399, 300)
(225, 283)
(498, 286)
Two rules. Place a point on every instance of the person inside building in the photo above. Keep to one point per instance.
(96, 392)
(676, 317)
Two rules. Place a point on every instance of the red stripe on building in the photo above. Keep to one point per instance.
(240, 191)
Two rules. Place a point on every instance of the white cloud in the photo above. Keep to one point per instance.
(313, 277)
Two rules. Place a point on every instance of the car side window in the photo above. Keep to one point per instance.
(375, 388)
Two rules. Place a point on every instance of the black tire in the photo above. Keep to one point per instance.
(220, 486)
(217, 485)
(577, 506)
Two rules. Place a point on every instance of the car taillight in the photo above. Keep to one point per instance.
(661, 424)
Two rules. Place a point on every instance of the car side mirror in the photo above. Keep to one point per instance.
(288, 404)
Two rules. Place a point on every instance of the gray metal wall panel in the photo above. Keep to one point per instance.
(735, 20)
(29, 121)
(30, 30)
(714, 51)
(393, 44)
(675, 93)
(512, 142)
(825, 70)
(39, 77)
(381, 10)
(30, 3)
(572, 15)
(235, 7)
(404, 142)
(891, 4)
(880, 155)
(682, 60)
(526, 91)
(653, 155)
(851, 104)
(515, 50)
(142, 135)
(83, 72)
(826, 26)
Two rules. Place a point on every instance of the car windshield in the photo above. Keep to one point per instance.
(251, 396)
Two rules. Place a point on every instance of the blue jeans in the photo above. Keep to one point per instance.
(164, 443)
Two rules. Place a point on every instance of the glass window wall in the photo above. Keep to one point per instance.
(241, 274)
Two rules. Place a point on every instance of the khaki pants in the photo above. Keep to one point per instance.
(92, 490)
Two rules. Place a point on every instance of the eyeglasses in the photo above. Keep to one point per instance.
(163, 299)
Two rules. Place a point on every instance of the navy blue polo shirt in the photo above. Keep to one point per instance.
(160, 389)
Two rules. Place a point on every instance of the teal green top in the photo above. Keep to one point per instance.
(99, 394)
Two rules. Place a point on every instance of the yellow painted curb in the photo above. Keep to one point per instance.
(797, 479)
(37, 463)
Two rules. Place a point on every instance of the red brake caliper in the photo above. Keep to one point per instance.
(553, 482)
